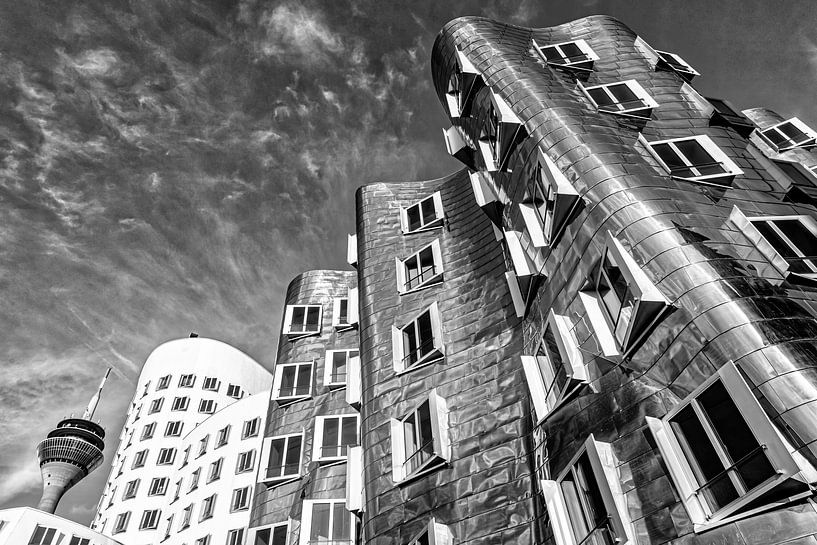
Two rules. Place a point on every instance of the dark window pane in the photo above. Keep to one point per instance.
(782, 247)
(279, 536)
(671, 159)
(293, 454)
(297, 319)
(699, 157)
(344, 311)
(414, 220)
(349, 431)
(601, 98)
(276, 457)
(799, 234)
(775, 137)
(312, 316)
(428, 211)
(572, 53)
(426, 333)
(795, 135)
(304, 376)
(794, 173)
(625, 96)
(722, 107)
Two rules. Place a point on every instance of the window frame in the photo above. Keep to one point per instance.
(686, 72)
(351, 310)
(644, 111)
(437, 351)
(158, 486)
(266, 454)
(214, 470)
(306, 521)
(272, 527)
(277, 379)
(606, 477)
(719, 156)
(211, 387)
(170, 450)
(120, 523)
(287, 325)
(207, 406)
(251, 428)
(318, 446)
(328, 366)
(440, 439)
(150, 519)
(139, 459)
(187, 380)
(435, 533)
(585, 65)
(437, 269)
(131, 489)
(246, 491)
(164, 382)
(778, 452)
(799, 125)
(195, 476)
(242, 457)
(156, 405)
(231, 387)
(208, 506)
(436, 223)
(541, 372)
(223, 436)
(148, 430)
(180, 403)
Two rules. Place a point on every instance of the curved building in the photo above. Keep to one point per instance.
(188, 390)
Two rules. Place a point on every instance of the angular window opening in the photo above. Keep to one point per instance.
(459, 146)
(250, 428)
(674, 63)
(180, 403)
(292, 381)
(150, 519)
(130, 489)
(523, 276)
(44, 536)
(328, 522)
(139, 459)
(207, 508)
(725, 115)
(156, 405)
(166, 456)
(696, 159)
(194, 480)
(302, 320)
(222, 437)
(724, 454)
(333, 437)
(434, 533)
(203, 442)
(794, 238)
(336, 365)
(203, 540)
(163, 383)
(207, 406)
(233, 390)
(423, 215)
(174, 428)
(186, 516)
(626, 98)
(789, 134)
(284, 454)
(214, 473)
(240, 500)
(420, 439)
(420, 269)
(277, 534)
(576, 55)
(419, 342)
(211, 383)
(502, 130)
(158, 486)
(463, 84)
(245, 462)
(148, 430)
(120, 523)
(582, 501)
(557, 369)
(798, 181)
(187, 381)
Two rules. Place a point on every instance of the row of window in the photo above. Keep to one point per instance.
(211, 384)
(43, 535)
(304, 320)
(293, 381)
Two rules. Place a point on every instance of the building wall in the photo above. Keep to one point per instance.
(19, 525)
(483, 493)
(727, 303)
(201, 358)
(279, 502)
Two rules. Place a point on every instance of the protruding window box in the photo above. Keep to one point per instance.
(487, 195)
(344, 311)
(351, 250)
(283, 455)
(419, 440)
(353, 382)
(624, 98)
(327, 522)
(423, 215)
(336, 367)
(674, 63)
(725, 115)
(725, 457)
(789, 134)
(574, 56)
(421, 269)
(434, 533)
(292, 381)
(463, 85)
(355, 500)
(695, 159)
(556, 371)
(458, 146)
(500, 135)
(302, 321)
(334, 435)
(525, 277)
(419, 342)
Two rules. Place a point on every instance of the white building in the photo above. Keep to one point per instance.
(28, 526)
(189, 449)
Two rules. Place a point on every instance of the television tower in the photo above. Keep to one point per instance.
(70, 452)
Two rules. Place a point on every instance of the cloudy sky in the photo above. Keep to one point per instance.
(167, 166)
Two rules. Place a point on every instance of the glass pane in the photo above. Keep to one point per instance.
(410, 435)
(699, 157)
(429, 213)
(410, 345)
(293, 454)
(795, 135)
(412, 272)
(556, 376)
(722, 107)
(794, 173)
(551, 53)
(297, 319)
(349, 432)
(313, 313)
(575, 510)
(670, 158)
(320, 522)
(338, 367)
(618, 294)
(625, 96)
(304, 376)
(288, 374)
(601, 98)
(340, 523)
(276, 457)
(331, 436)
(572, 53)
(800, 235)
(782, 247)
(344, 311)
(775, 137)
(426, 334)
(427, 269)
(279, 536)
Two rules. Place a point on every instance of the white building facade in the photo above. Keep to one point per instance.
(189, 450)
(24, 525)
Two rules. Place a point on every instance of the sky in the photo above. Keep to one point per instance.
(167, 166)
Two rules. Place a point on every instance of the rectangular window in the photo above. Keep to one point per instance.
(121, 522)
(42, 535)
(277, 534)
(250, 428)
(180, 403)
(575, 55)
(344, 311)
(207, 507)
(163, 383)
(207, 406)
(234, 390)
(423, 215)
(623, 97)
(76, 540)
(187, 381)
(222, 436)
(130, 489)
(203, 443)
(235, 537)
(435, 533)
(789, 242)
(148, 430)
(174, 428)
(557, 369)
(302, 320)
(168, 527)
(156, 405)
(150, 519)
(241, 499)
(463, 83)
(419, 342)
(139, 459)
(722, 451)
(336, 364)
(789, 134)
(211, 383)
(283, 457)
(500, 133)
(420, 439)
(327, 521)
(674, 63)
(187, 514)
(215, 470)
(245, 462)
(158, 486)
(194, 480)
(420, 269)
(582, 502)
(694, 158)
(203, 540)
(334, 435)
(166, 456)
(292, 381)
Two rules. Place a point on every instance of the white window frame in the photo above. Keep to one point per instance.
(437, 351)
(266, 452)
(608, 481)
(187, 380)
(805, 129)
(779, 454)
(156, 405)
(731, 169)
(231, 388)
(497, 149)
(351, 310)
(131, 489)
(649, 304)
(150, 519)
(163, 453)
(648, 104)
(46, 537)
(687, 72)
(214, 470)
(437, 269)
(251, 428)
(541, 373)
(245, 493)
(317, 455)
(436, 223)
(272, 528)
(223, 436)
(306, 521)
(180, 403)
(174, 428)
(466, 77)
(441, 442)
(121, 523)
(328, 364)
(211, 384)
(147, 431)
(208, 506)
(585, 65)
(236, 536)
(353, 381)
(435, 533)
(164, 382)
(139, 459)
(158, 486)
(278, 378)
(248, 459)
(288, 331)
